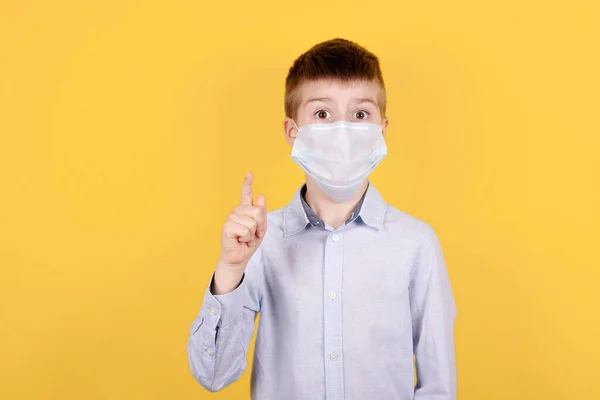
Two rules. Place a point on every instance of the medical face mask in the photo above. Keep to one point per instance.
(339, 156)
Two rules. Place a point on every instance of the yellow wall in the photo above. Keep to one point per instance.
(126, 128)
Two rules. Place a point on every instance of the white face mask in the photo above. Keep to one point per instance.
(339, 156)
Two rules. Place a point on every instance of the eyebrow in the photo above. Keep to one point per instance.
(366, 100)
(358, 100)
(324, 99)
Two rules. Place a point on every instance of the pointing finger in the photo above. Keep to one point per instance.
(247, 190)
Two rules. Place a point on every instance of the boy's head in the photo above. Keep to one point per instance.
(336, 80)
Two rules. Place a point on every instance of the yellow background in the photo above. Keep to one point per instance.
(126, 128)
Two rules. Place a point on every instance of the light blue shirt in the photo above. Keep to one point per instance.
(341, 312)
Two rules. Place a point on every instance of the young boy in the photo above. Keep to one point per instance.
(348, 287)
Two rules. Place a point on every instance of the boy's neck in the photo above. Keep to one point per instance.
(330, 211)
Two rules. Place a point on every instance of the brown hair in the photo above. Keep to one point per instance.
(335, 59)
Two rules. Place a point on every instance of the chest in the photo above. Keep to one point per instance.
(367, 270)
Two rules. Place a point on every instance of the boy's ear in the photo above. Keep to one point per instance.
(289, 130)
(384, 126)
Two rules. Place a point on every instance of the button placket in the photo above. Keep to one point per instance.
(334, 379)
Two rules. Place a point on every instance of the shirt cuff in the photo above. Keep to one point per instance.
(223, 309)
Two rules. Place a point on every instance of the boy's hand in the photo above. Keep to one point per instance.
(243, 232)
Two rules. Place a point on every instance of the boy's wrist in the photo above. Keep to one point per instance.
(226, 279)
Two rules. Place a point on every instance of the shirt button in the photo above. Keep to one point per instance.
(335, 237)
(332, 295)
(213, 311)
(209, 351)
(333, 356)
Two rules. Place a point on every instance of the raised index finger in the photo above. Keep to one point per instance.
(247, 190)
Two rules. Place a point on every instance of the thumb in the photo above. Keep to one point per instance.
(261, 202)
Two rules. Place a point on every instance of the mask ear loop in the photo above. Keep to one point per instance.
(294, 122)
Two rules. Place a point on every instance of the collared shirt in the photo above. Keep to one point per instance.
(341, 312)
(314, 218)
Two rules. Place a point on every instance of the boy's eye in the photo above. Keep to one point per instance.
(361, 114)
(322, 114)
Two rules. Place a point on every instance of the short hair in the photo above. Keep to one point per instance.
(335, 59)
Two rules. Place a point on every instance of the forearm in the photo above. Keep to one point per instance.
(225, 321)
(433, 313)
(216, 359)
(221, 333)
(226, 278)
(436, 368)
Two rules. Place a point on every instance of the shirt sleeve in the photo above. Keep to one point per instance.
(433, 312)
(221, 333)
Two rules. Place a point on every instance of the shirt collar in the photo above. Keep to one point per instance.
(297, 215)
(314, 219)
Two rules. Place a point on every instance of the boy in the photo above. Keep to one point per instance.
(348, 287)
